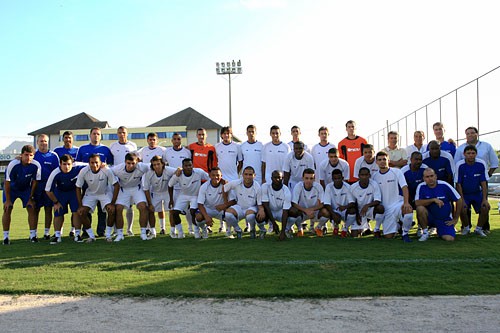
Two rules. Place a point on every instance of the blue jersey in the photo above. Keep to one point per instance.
(444, 192)
(441, 166)
(60, 151)
(104, 152)
(413, 179)
(49, 161)
(21, 176)
(63, 182)
(470, 176)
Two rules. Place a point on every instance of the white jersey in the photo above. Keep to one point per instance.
(362, 163)
(228, 156)
(189, 185)
(252, 156)
(366, 195)
(336, 197)
(246, 197)
(98, 183)
(290, 144)
(278, 200)
(307, 198)
(274, 157)
(130, 179)
(146, 153)
(175, 157)
(210, 196)
(391, 184)
(120, 150)
(320, 153)
(412, 148)
(326, 169)
(157, 184)
(296, 167)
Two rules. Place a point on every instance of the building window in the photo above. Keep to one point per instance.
(138, 136)
(82, 137)
(111, 136)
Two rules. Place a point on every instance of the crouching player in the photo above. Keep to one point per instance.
(155, 186)
(339, 202)
(100, 181)
(276, 200)
(306, 204)
(434, 200)
(211, 203)
(248, 204)
(367, 196)
(61, 189)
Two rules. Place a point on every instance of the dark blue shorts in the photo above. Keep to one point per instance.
(24, 196)
(65, 199)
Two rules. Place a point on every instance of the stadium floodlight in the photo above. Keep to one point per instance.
(228, 68)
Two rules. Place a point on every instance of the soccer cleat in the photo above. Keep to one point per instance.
(90, 240)
(367, 232)
(433, 231)
(162, 232)
(239, 234)
(300, 233)
(197, 234)
(180, 234)
(343, 234)
(376, 234)
(406, 238)
(424, 237)
(78, 239)
(144, 237)
(271, 229)
(71, 234)
(480, 232)
(319, 232)
(325, 230)
(335, 231)
(54, 240)
(34, 239)
(6, 241)
(252, 234)
(204, 234)
(419, 232)
(262, 234)
(130, 233)
(119, 238)
(172, 234)
(46, 237)
(466, 231)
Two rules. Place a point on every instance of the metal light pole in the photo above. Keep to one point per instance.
(228, 68)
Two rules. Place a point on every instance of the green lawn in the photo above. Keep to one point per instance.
(221, 267)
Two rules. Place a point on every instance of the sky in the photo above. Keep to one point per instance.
(305, 62)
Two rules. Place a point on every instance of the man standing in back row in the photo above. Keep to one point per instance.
(351, 148)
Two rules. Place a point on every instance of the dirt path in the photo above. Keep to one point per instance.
(48, 313)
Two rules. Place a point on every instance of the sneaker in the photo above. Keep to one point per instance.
(144, 237)
(252, 234)
(204, 234)
(172, 234)
(130, 233)
(406, 238)
(78, 239)
(162, 232)
(239, 234)
(325, 230)
(181, 234)
(197, 234)
(191, 232)
(335, 231)
(480, 232)
(343, 234)
(262, 234)
(71, 234)
(119, 238)
(46, 237)
(54, 240)
(433, 231)
(376, 234)
(300, 233)
(90, 240)
(319, 232)
(466, 231)
(34, 239)
(6, 241)
(424, 237)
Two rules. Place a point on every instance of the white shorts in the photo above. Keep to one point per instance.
(130, 196)
(392, 216)
(214, 213)
(242, 212)
(278, 215)
(183, 202)
(90, 201)
(364, 220)
(160, 201)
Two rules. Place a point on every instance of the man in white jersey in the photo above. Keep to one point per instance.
(339, 202)
(211, 203)
(395, 199)
(333, 162)
(367, 196)
(229, 155)
(295, 163)
(251, 151)
(277, 201)
(295, 132)
(320, 150)
(129, 176)
(306, 204)
(366, 161)
(173, 157)
(273, 154)
(248, 203)
(418, 144)
(99, 181)
(189, 183)
(119, 149)
(155, 186)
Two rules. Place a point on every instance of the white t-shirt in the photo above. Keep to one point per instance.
(296, 167)
(274, 157)
(210, 196)
(246, 197)
(119, 150)
(320, 153)
(361, 163)
(174, 157)
(364, 196)
(278, 200)
(228, 156)
(157, 184)
(252, 156)
(146, 153)
(307, 198)
(325, 170)
(130, 179)
(390, 184)
(189, 185)
(336, 197)
(97, 183)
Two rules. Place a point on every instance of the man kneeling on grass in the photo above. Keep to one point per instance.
(99, 181)
(434, 200)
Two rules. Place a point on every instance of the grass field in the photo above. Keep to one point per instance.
(222, 267)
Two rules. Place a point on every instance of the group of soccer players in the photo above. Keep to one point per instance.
(260, 184)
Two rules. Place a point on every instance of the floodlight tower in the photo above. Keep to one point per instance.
(229, 68)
